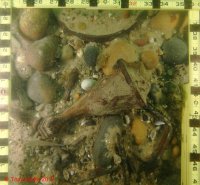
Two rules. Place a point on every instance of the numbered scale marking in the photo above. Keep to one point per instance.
(5, 20)
(137, 4)
(193, 136)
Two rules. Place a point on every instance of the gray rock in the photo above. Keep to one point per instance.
(175, 51)
(41, 54)
(67, 53)
(41, 88)
(90, 55)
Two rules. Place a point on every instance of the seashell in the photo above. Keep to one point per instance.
(41, 53)
(118, 49)
(33, 23)
(87, 122)
(90, 55)
(158, 123)
(87, 84)
(150, 59)
(106, 140)
(175, 51)
(41, 88)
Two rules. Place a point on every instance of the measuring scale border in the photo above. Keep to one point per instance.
(190, 154)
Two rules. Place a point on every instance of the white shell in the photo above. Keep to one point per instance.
(87, 84)
(158, 123)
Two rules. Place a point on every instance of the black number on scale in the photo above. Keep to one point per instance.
(51, 1)
(195, 116)
(105, 1)
(194, 148)
(164, 4)
(194, 130)
(194, 168)
(115, 2)
(179, 3)
(197, 4)
(147, 3)
(69, 1)
(196, 102)
(195, 181)
(84, 2)
(194, 36)
(39, 1)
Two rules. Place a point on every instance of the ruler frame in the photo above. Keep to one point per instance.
(190, 171)
(5, 36)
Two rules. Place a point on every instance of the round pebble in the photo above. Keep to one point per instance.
(90, 55)
(174, 141)
(175, 151)
(67, 53)
(23, 69)
(87, 84)
(174, 51)
(33, 23)
(41, 54)
(41, 88)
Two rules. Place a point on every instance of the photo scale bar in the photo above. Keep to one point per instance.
(152, 4)
(5, 51)
(192, 148)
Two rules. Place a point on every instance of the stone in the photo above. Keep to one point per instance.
(41, 54)
(33, 23)
(41, 88)
(139, 131)
(67, 53)
(166, 22)
(174, 51)
(90, 55)
(150, 59)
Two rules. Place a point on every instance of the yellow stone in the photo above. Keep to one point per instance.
(139, 131)
(176, 151)
(166, 22)
(118, 49)
(150, 59)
